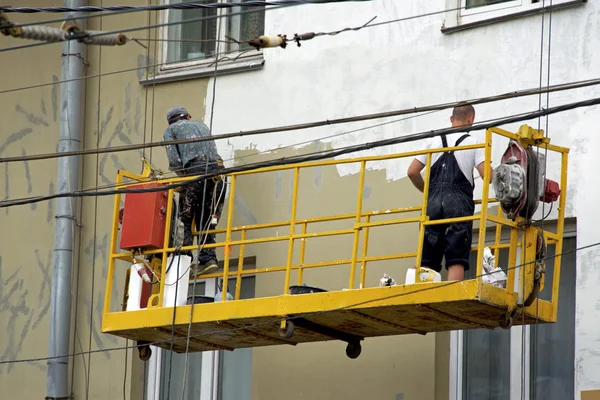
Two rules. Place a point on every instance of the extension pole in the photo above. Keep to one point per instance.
(71, 135)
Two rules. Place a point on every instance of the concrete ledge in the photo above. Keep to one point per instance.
(511, 16)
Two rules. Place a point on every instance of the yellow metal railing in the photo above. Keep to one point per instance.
(520, 236)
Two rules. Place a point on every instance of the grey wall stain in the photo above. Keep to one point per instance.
(50, 214)
(15, 137)
(278, 184)
(15, 306)
(95, 335)
(28, 178)
(366, 192)
(45, 269)
(105, 122)
(6, 186)
(137, 118)
(35, 120)
(55, 97)
(43, 106)
(127, 107)
(241, 206)
(118, 132)
(99, 251)
(143, 62)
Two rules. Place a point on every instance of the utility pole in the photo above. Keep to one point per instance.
(71, 135)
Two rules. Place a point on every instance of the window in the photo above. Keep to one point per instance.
(488, 364)
(212, 375)
(467, 13)
(191, 48)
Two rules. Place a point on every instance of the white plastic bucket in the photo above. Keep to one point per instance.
(426, 275)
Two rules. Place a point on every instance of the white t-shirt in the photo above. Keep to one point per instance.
(467, 160)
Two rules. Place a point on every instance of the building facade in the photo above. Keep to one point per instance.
(430, 52)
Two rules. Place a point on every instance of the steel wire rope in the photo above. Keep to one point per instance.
(206, 234)
(534, 362)
(307, 125)
(330, 154)
(278, 320)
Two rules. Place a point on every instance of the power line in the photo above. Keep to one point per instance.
(316, 313)
(168, 6)
(301, 159)
(113, 185)
(96, 34)
(120, 71)
(308, 125)
(145, 27)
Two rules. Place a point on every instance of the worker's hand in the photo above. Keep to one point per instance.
(178, 189)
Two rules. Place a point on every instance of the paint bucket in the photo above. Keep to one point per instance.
(426, 275)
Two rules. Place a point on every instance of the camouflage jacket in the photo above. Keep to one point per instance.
(180, 154)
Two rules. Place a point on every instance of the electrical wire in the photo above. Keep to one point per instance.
(316, 313)
(330, 154)
(266, 151)
(172, 332)
(307, 125)
(297, 37)
(534, 362)
(199, 223)
(146, 67)
(143, 27)
(169, 6)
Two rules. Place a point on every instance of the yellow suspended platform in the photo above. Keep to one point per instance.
(355, 313)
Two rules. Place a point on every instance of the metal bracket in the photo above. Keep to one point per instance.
(327, 331)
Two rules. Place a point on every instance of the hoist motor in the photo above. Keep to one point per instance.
(520, 184)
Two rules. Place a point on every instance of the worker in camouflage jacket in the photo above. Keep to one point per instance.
(200, 201)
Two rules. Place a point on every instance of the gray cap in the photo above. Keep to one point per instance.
(175, 112)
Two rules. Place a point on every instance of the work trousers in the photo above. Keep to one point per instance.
(199, 203)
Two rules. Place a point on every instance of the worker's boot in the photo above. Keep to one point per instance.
(201, 269)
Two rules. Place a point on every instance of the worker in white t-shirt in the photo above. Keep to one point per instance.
(450, 196)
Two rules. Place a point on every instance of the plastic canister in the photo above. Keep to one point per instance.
(426, 275)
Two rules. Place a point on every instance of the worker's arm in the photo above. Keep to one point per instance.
(414, 174)
(481, 170)
(175, 163)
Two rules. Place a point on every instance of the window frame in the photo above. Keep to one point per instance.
(211, 362)
(228, 63)
(458, 17)
(517, 347)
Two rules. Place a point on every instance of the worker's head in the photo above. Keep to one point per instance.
(462, 115)
(177, 113)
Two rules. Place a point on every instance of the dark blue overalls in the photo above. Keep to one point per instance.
(450, 196)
